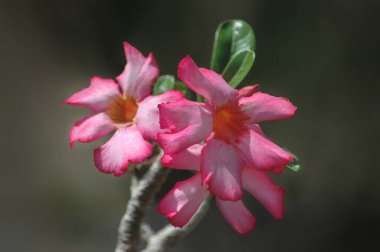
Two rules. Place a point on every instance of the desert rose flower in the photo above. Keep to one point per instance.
(227, 124)
(181, 203)
(126, 107)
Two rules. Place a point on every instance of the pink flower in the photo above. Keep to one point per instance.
(181, 203)
(126, 107)
(227, 123)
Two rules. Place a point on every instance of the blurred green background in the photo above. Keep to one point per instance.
(322, 55)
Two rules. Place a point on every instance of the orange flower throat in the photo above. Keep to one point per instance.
(230, 123)
(122, 109)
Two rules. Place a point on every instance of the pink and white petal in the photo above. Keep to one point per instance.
(147, 116)
(176, 116)
(221, 169)
(147, 78)
(189, 159)
(91, 128)
(261, 153)
(173, 143)
(264, 107)
(182, 202)
(237, 215)
(139, 73)
(261, 186)
(248, 91)
(126, 145)
(205, 82)
(135, 62)
(188, 123)
(97, 96)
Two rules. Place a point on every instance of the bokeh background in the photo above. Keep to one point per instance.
(322, 55)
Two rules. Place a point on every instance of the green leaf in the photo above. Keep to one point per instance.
(294, 164)
(233, 52)
(238, 67)
(180, 86)
(163, 83)
(167, 82)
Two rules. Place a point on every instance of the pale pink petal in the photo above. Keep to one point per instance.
(237, 215)
(261, 153)
(182, 202)
(188, 122)
(97, 96)
(261, 186)
(248, 91)
(189, 159)
(139, 74)
(127, 145)
(206, 83)
(147, 116)
(221, 169)
(91, 128)
(263, 107)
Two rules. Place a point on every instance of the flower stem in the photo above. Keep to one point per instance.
(142, 192)
(132, 229)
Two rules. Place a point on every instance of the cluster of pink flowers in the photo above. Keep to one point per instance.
(220, 139)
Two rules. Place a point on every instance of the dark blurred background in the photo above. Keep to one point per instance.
(322, 55)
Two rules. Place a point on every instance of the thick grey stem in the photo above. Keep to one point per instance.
(142, 192)
(169, 235)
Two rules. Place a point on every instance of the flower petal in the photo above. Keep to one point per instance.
(188, 122)
(261, 153)
(139, 73)
(182, 202)
(206, 82)
(147, 116)
(221, 169)
(248, 90)
(91, 128)
(264, 107)
(237, 215)
(261, 186)
(97, 96)
(127, 145)
(189, 159)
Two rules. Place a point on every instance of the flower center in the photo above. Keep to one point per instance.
(122, 109)
(230, 123)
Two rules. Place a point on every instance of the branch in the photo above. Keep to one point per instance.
(142, 192)
(169, 235)
(146, 231)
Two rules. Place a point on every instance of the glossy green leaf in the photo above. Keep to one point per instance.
(167, 82)
(238, 67)
(233, 52)
(180, 86)
(163, 83)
